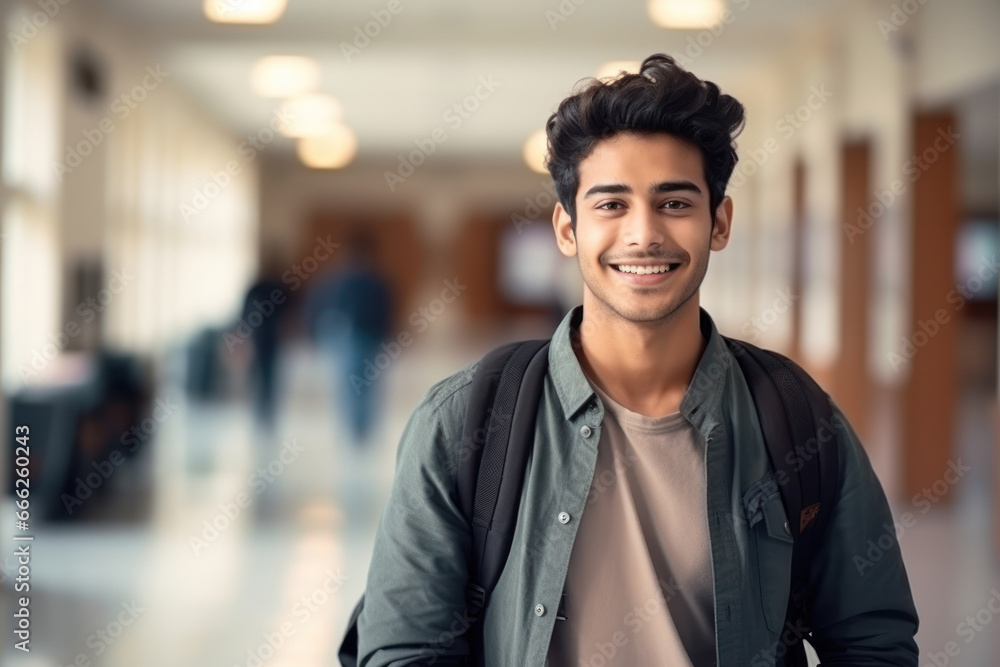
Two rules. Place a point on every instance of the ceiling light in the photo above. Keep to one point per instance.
(615, 68)
(255, 12)
(333, 150)
(284, 76)
(690, 14)
(535, 150)
(311, 115)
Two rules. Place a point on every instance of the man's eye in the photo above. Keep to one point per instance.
(611, 206)
(676, 205)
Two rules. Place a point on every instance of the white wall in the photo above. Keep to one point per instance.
(957, 48)
(135, 200)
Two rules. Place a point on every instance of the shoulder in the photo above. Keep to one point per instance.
(428, 457)
(435, 426)
(853, 457)
(449, 393)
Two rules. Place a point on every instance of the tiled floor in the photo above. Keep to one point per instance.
(273, 582)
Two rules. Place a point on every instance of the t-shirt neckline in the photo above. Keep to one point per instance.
(632, 419)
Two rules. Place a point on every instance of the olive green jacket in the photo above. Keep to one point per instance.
(414, 600)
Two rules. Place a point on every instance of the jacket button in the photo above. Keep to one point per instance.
(563, 517)
(585, 431)
(787, 528)
(539, 610)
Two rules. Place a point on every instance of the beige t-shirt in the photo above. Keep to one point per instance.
(639, 586)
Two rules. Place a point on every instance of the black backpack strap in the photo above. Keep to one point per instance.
(496, 442)
(348, 651)
(796, 419)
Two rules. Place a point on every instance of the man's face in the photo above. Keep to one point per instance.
(643, 225)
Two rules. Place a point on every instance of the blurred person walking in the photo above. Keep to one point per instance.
(349, 313)
(263, 311)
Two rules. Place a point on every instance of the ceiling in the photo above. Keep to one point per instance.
(434, 53)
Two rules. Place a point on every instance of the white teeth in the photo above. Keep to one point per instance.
(643, 270)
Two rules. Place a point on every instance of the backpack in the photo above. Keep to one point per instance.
(498, 435)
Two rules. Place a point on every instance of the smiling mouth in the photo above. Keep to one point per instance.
(644, 269)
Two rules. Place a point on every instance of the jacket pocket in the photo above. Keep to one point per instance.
(772, 547)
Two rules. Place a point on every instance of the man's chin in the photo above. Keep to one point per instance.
(644, 313)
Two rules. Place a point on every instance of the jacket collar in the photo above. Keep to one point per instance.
(702, 402)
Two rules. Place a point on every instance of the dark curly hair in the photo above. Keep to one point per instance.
(662, 97)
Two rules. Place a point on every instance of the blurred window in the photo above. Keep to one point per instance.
(529, 265)
(29, 240)
(976, 250)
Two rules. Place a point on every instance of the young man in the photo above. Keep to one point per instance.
(650, 529)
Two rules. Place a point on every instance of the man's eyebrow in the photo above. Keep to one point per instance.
(609, 189)
(659, 188)
(674, 186)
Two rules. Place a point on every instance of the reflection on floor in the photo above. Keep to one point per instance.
(227, 547)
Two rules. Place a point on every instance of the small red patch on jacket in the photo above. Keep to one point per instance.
(808, 516)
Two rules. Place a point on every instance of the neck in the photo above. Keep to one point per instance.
(644, 366)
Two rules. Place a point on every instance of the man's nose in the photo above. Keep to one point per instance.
(642, 228)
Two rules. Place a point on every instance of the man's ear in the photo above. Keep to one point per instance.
(723, 224)
(563, 226)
